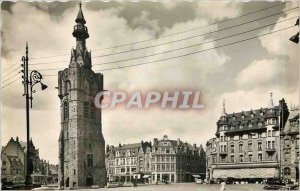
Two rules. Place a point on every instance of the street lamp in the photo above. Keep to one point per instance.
(295, 38)
(29, 81)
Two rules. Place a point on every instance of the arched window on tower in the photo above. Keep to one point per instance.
(66, 110)
(86, 109)
(92, 112)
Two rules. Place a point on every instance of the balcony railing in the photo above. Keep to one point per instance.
(270, 149)
(80, 28)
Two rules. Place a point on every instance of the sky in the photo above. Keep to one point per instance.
(244, 73)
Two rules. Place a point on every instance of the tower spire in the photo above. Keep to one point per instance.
(80, 31)
(271, 104)
(80, 17)
(223, 110)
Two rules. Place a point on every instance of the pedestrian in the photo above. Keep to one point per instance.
(223, 184)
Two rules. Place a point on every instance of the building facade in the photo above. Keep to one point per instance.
(81, 142)
(247, 144)
(13, 157)
(163, 160)
(290, 166)
(129, 162)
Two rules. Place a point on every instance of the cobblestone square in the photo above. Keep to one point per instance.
(189, 187)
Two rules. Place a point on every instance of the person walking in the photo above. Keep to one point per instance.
(223, 184)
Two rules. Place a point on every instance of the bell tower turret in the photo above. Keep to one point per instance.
(80, 31)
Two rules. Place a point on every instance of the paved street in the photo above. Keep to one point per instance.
(189, 187)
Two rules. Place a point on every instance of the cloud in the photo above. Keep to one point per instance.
(260, 73)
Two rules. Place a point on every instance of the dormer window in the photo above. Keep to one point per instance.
(243, 116)
(260, 124)
(250, 125)
(252, 114)
(223, 118)
(117, 154)
(241, 126)
(232, 128)
(262, 113)
(234, 117)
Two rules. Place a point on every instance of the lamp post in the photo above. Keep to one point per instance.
(295, 38)
(29, 81)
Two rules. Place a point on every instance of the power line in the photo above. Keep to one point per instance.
(173, 33)
(237, 34)
(10, 77)
(12, 67)
(127, 66)
(11, 83)
(170, 42)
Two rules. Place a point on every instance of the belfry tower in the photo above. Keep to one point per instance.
(81, 142)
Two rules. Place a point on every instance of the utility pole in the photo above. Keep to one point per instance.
(29, 81)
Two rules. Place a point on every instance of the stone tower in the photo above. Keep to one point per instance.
(81, 142)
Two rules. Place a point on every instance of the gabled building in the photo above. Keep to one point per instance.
(128, 162)
(248, 144)
(290, 165)
(163, 161)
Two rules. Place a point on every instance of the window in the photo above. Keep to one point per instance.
(90, 147)
(240, 147)
(158, 158)
(66, 110)
(222, 159)
(90, 160)
(260, 124)
(259, 157)
(273, 133)
(273, 144)
(167, 159)
(232, 148)
(231, 158)
(259, 135)
(213, 160)
(92, 111)
(232, 128)
(241, 158)
(259, 146)
(231, 138)
(250, 125)
(249, 146)
(240, 137)
(158, 167)
(167, 150)
(269, 144)
(152, 167)
(163, 167)
(269, 133)
(85, 109)
(287, 171)
(250, 158)
(172, 158)
(74, 172)
(241, 126)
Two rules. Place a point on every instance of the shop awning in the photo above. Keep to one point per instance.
(146, 176)
(196, 176)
